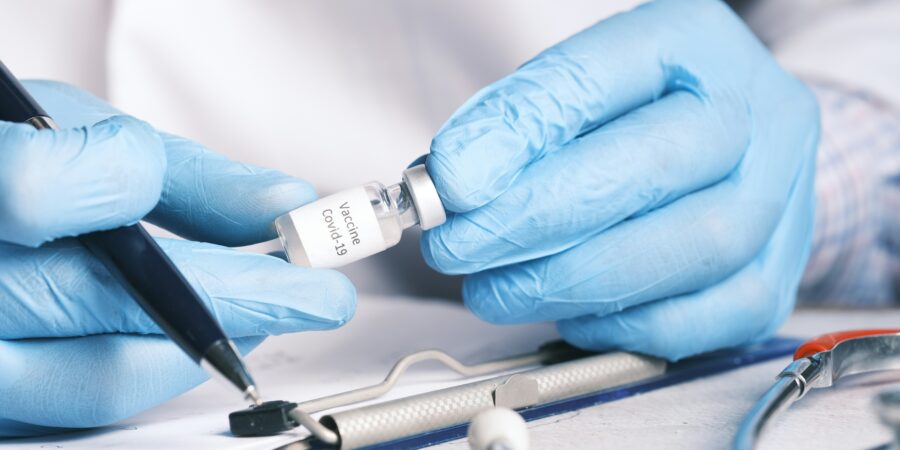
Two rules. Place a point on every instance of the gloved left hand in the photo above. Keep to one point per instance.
(75, 350)
(648, 183)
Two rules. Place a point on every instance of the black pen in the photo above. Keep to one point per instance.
(137, 262)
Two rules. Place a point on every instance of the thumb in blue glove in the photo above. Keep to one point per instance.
(106, 359)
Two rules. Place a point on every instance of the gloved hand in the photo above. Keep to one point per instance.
(647, 183)
(105, 359)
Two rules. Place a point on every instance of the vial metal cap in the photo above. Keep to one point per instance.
(424, 196)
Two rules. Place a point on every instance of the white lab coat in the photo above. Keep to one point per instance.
(344, 92)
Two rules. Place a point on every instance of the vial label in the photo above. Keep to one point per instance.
(338, 229)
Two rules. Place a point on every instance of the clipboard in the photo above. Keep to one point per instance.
(366, 427)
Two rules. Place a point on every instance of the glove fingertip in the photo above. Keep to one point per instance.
(580, 333)
(316, 299)
(626, 332)
(284, 192)
(465, 168)
(139, 138)
(494, 303)
(430, 252)
(211, 198)
(140, 154)
(442, 256)
(451, 183)
(265, 198)
(341, 295)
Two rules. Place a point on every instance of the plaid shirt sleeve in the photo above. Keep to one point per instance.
(855, 258)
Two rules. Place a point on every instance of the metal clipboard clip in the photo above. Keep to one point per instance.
(556, 371)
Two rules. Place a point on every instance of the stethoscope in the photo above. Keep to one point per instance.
(818, 363)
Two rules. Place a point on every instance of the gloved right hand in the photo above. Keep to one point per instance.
(75, 350)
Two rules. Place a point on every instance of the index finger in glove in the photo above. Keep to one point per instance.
(205, 196)
(208, 197)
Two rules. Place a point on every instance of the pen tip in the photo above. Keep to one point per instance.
(252, 395)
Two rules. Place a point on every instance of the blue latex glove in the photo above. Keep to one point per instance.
(647, 183)
(106, 360)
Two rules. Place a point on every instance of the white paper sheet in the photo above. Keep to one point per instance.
(308, 365)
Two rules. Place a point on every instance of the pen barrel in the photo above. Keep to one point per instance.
(16, 104)
(137, 262)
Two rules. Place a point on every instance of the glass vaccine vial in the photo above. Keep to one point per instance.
(353, 224)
